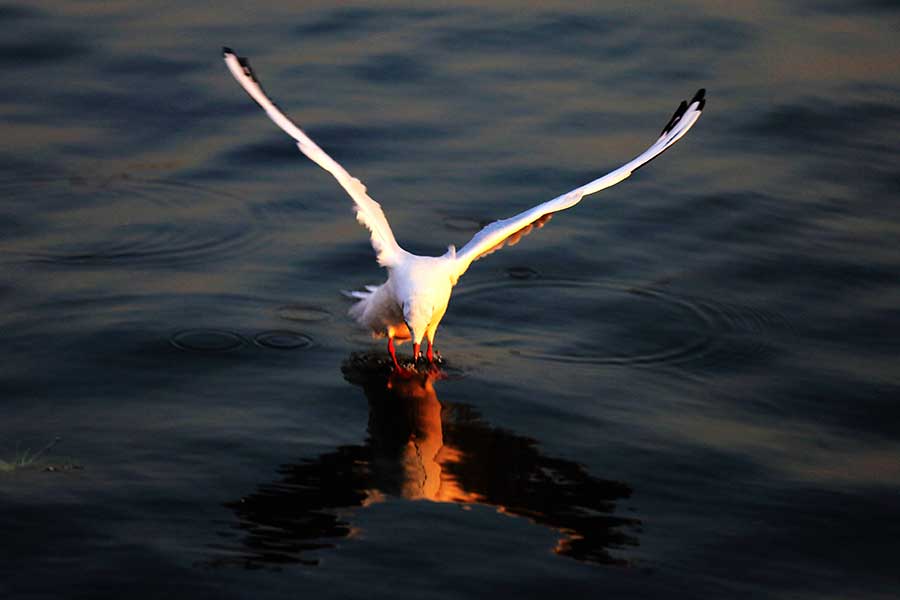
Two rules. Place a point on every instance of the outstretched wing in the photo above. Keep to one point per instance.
(368, 212)
(509, 231)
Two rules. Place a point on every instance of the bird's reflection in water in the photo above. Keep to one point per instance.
(422, 449)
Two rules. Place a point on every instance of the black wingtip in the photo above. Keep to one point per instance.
(245, 64)
(682, 108)
(700, 98)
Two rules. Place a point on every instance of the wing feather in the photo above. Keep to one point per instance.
(368, 212)
(509, 231)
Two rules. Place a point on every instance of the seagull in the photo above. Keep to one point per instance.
(413, 300)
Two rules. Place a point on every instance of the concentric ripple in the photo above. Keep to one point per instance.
(522, 273)
(207, 341)
(465, 224)
(607, 323)
(283, 340)
(124, 220)
(303, 313)
(134, 324)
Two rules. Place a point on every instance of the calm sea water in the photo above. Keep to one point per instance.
(685, 387)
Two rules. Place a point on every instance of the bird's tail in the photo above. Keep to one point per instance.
(359, 294)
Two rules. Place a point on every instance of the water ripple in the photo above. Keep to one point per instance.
(611, 323)
(207, 340)
(307, 313)
(283, 340)
(123, 220)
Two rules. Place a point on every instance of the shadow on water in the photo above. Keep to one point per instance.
(420, 448)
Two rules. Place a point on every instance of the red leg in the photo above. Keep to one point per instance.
(415, 352)
(430, 354)
(393, 353)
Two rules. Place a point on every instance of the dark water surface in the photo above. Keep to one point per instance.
(685, 387)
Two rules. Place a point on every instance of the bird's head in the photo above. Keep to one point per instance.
(417, 314)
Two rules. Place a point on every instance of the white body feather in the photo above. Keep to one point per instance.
(413, 300)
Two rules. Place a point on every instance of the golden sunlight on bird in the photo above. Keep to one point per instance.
(413, 300)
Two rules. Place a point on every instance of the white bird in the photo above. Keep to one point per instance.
(412, 302)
